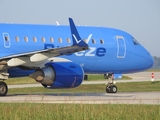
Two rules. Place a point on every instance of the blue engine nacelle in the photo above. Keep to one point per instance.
(59, 75)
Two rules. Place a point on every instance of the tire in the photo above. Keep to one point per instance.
(107, 90)
(44, 85)
(113, 89)
(3, 89)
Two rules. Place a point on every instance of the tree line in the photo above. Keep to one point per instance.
(156, 62)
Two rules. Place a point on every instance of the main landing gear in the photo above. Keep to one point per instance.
(110, 87)
(3, 88)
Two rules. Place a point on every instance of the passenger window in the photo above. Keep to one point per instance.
(26, 39)
(68, 40)
(51, 39)
(101, 41)
(34, 39)
(93, 41)
(17, 38)
(43, 39)
(60, 40)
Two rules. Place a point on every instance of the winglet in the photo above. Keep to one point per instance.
(75, 35)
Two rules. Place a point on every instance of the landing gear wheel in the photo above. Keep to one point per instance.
(107, 89)
(44, 85)
(111, 89)
(3, 89)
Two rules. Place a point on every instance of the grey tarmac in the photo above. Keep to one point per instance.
(86, 98)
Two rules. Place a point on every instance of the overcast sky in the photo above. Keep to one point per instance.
(141, 18)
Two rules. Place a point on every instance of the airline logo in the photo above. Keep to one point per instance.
(93, 51)
(77, 41)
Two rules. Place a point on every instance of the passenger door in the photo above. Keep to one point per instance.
(121, 47)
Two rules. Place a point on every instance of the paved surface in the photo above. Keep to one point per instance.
(92, 98)
(87, 98)
(144, 76)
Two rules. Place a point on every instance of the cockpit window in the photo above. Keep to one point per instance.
(135, 41)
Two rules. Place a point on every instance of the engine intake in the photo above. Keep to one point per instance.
(45, 75)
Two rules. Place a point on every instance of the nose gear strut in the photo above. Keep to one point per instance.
(111, 87)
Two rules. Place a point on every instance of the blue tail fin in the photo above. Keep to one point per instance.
(75, 35)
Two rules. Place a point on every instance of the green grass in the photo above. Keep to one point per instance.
(41, 111)
(96, 77)
(153, 70)
(126, 78)
(122, 87)
(20, 80)
(139, 86)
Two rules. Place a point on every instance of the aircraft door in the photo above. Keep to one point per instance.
(6, 39)
(121, 47)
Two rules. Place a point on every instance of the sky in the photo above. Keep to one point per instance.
(140, 18)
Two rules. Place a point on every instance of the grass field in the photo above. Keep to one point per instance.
(20, 80)
(41, 111)
(153, 70)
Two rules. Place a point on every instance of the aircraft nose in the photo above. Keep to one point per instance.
(145, 60)
(149, 60)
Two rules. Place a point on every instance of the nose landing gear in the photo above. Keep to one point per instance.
(111, 87)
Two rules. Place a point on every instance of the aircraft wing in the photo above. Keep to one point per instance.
(36, 56)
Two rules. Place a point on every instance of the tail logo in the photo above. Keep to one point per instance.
(77, 41)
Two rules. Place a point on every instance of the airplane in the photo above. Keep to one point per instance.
(60, 56)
